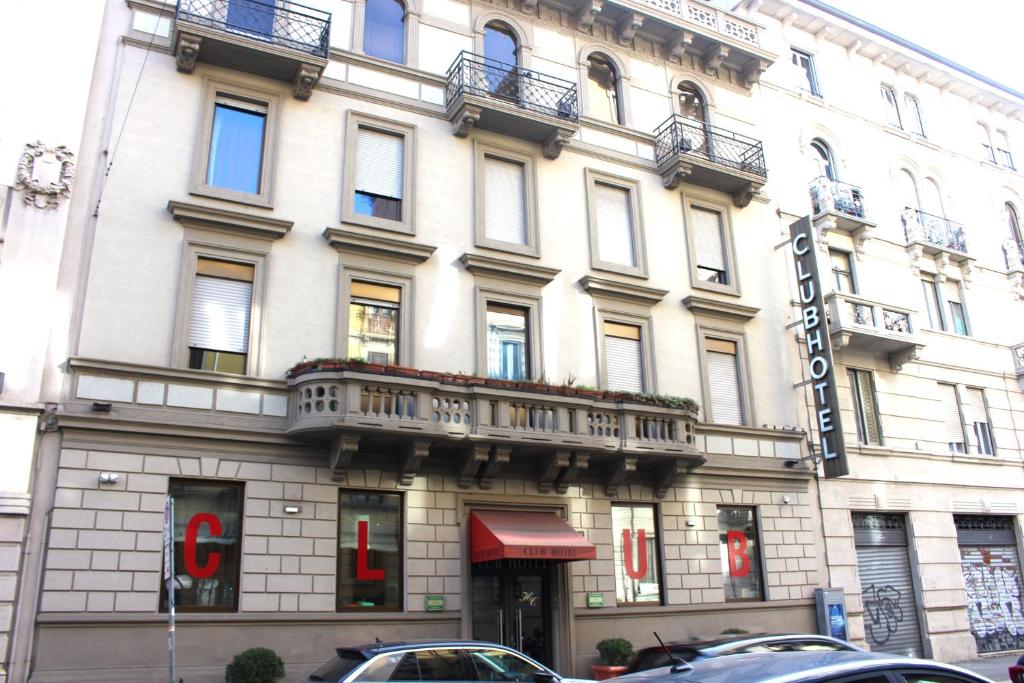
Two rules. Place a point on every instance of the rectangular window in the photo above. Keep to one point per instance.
(741, 559)
(709, 246)
(957, 312)
(978, 426)
(1003, 154)
(508, 339)
(725, 396)
(952, 418)
(616, 235)
(207, 545)
(218, 336)
(842, 271)
(931, 300)
(635, 545)
(913, 108)
(379, 174)
(623, 357)
(505, 200)
(805, 63)
(373, 316)
(865, 407)
(892, 110)
(369, 551)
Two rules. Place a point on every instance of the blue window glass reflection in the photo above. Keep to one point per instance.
(384, 32)
(254, 16)
(500, 44)
(236, 149)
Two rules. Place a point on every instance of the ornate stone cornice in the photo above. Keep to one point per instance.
(626, 291)
(702, 305)
(349, 242)
(245, 224)
(507, 269)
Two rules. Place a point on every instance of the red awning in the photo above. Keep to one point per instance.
(501, 535)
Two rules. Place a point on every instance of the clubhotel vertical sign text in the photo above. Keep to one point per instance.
(819, 349)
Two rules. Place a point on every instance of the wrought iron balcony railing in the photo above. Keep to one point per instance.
(1013, 251)
(682, 136)
(472, 74)
(279, 22)
(833, 195)
(934, 230)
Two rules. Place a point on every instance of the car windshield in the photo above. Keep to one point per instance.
(338, 667)
(497, 665)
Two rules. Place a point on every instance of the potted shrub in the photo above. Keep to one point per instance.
(255, 665)
(615, 654)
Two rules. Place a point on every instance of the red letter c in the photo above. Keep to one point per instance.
(192, 567)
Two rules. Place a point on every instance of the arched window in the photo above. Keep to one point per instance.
(826, 165)
(384, 30)
(603, 89)
(500, 43)
(1014, 222)
(691, 102)
(931, 199)
(907, 190)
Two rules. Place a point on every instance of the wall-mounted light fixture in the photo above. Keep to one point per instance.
(109, 477)
(293, 509)
(690, 522)
(785, 500)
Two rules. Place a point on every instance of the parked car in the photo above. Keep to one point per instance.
(845, 666)
(655, 656)
(1017, 671)
(447, 660)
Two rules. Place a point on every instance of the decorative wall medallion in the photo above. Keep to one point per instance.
(45, 174)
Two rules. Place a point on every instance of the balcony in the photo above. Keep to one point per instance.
(278, 39)
(511, 100)
(935, 235)
(860, 324)
(478, 429)
(1018, 363)
(709, 156)
(841, 204)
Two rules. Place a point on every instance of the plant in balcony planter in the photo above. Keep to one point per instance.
(476, 381)
(432, 375)
(402, 371)
(615, 654)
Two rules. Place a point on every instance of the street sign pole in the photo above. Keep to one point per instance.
(169, 582)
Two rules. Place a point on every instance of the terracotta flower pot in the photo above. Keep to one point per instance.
(603, 672)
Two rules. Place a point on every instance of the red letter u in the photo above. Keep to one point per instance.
(627, 552)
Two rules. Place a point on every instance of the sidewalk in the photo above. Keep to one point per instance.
(996, 668)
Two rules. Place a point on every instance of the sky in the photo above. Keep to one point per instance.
(986, 36)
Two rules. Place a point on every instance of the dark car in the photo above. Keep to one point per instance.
(1017, 671)
(807, 667)
(655, 656)
(447, 660)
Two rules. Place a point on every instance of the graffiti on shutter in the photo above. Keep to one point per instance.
(992, 585)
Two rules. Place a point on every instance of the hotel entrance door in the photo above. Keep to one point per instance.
(511, 605)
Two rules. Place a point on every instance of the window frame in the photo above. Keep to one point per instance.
(704, 332)
(969, 429)
(622, 113)
(948, 309)
(856, 391)
(759, 533)
(1005, 151)
(403, 516)
(658, 559)
(354, 121)
(405, 32)
(413, 10)
(854, 285)
(912, 103)
(810, 70)
(632, 187)
(213, 90)
(898, 124)
(989, 147)
(199, 244)
(404, 346)
(930, 285)
(481, 151)
(963, 424)
(239, 486)
(485, 295)
(645, 323)
(728, 245)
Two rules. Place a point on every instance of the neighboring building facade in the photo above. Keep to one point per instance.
(916, 196)
(569, 202)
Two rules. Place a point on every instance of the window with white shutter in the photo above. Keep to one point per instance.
(951, 418)
(379, 173)
(505, 201)
(709, 245)
(614, 225)
(623, 357)
(725, 397)
(862, 387)
(221, 306)
(979, 429)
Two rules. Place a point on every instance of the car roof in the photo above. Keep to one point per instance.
(372, 649)
(701, 644)
(787, 667)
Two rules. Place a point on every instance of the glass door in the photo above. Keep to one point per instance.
(511, 605)
(252, 16)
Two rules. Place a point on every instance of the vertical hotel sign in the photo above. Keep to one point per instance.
(819, 349)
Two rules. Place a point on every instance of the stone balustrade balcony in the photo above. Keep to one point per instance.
(860, 324)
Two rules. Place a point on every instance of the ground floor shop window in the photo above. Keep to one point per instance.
(369, 551)
(635, 542)
(741, 553)
(207, 552)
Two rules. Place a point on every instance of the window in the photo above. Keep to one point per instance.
(740, 548)
(251, 16)
(1014, 222)
(378, 173)
(384, 30)
(931, 299)
(218, 329)
(842, 271)
(907, 190)
(987, 152)
(724, 404)
(635, 554)
(952, 418)
(865, 407)
(1003, 155)
(234, 155)
(979, 429)
(826, 166)
(805, 63)
(508, 340)
(499, 665)
(427, 665)
(500, 45)
(207, 545)
(623, 354)
(369, 551)
(373, 317)
(913, 108)
(957, 312)
(616, 234)
(691, 102)
(710, 245)
(892, 110)
(505, 200)
(603, 89)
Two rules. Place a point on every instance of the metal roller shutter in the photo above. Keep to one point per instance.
(220, 314)
(504, 201)
(614, 224)
(624, 364)
(992, 581)
(887, 588)
(379, 163)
